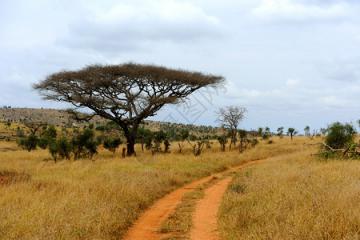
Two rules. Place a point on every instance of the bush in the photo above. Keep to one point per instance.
(43, 143)
(223, 141)
(84, 144)
(112, 144)
(48, 135)
(145, 137)
(254, 142)
(29, 143)
(63, 148)
(339, 136)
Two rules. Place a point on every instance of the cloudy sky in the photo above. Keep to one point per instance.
(289, 62)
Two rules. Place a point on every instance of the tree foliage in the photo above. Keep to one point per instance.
(291, 132)
(84, 144)
(125, 94)
(340, 135)
(230, 118)
(29, 142)
(112, 143)
(223, 141)
(280, 132)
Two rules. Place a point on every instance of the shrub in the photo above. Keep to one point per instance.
(63, 148)
(144, 136)
(112, 144)
(254, 142)
(29, 143)
(167, 145)
(43, 143)
(339, 136)
(49, 134)
(54, 150)
(84, 144)
(159, 137)
(223, 141)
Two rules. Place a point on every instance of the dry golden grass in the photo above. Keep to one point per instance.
(294, 197)
(100, 199)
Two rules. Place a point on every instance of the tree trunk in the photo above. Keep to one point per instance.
(130, 145)
(130, 135)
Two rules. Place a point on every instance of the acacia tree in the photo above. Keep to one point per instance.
(292, 132)
(230, 117)
(307, 131)
(280, 132)
(125, 94)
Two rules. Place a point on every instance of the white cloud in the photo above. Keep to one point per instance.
(292, 82)
(295, 10)
(136, 24)
(43, 37)
(342, 70)
(169, 10)
(334, 102)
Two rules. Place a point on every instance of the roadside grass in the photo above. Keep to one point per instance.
(293, 197)
(100, 199)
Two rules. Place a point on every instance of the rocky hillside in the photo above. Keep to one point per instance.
(62, 118)
(50, 116)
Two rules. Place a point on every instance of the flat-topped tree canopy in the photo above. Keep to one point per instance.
(126, 93)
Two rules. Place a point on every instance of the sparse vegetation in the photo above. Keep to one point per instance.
(291, 132)
(108, 191)
(300, 198)
(230, 118)
(339, 142)
(112, 143)
(124, 94)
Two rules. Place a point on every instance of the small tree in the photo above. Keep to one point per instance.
(112, 143)
(339, 135)
(48, 135)
(307, 131)
(230, 117)
(64, 148)
(60, 148)
(280, 132)
(199, 145)
(182, 135)
(84, 144)
(29, 143)
(159, 137)
(266, 134)
(223, 141)
(243, 138)
(144, 135)
(148, 140)
(292, 132)
(54, 150)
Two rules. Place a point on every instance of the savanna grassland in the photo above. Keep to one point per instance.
(100, 198)
(294, 197)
